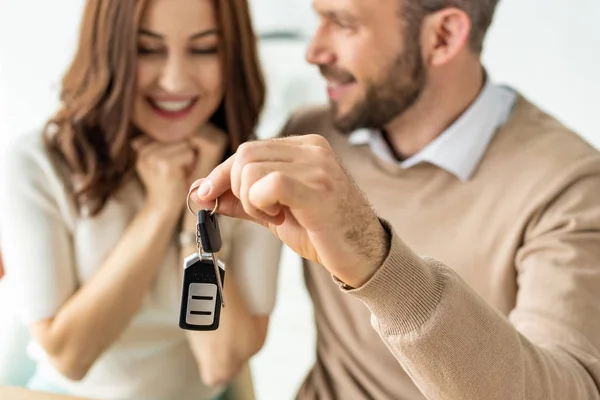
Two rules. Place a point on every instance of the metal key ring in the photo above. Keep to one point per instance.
(187, 201)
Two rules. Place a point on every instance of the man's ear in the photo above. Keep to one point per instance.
(444, 35)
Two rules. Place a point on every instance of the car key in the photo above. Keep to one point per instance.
(201, 301)
(203, 277)
(210, 238)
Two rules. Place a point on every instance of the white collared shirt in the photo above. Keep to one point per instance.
(459, 148)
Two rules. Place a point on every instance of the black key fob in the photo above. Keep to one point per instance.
(200, 308)
(209, 232)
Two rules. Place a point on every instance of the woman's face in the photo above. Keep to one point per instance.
(179, 72)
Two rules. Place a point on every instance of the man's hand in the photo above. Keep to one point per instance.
(296, 187)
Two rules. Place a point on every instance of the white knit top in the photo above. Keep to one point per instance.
(49, 250)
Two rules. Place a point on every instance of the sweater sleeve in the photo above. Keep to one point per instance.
(36, 239)
(455, 346)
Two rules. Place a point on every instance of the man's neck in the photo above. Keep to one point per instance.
(440, 104)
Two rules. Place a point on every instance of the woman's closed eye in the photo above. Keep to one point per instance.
(148, 50)
(196, 51)
(204, 50)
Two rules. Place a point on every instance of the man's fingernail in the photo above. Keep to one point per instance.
(272, 211)
(204, 188)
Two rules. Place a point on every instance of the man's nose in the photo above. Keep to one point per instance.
(319, 50)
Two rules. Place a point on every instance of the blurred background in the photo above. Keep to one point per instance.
(547, 49)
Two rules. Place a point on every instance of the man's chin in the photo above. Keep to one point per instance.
(343, 121)
(344, 124)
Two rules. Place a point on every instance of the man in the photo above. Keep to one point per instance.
(502, 197)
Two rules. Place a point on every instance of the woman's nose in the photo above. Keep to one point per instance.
(174, 77)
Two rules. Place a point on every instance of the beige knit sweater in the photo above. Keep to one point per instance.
(508, 307)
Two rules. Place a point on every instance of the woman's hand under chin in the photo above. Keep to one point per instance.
(209, 145)
(162, 168)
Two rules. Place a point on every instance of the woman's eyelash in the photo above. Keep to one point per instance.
(144, 51)
(211, 50)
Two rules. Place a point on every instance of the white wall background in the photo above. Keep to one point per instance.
(548, 49)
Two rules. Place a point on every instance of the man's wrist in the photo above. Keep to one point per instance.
(379, 253)
(384, 242)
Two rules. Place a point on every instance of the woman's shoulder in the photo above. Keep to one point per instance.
(28, 161)
(30, 174)
(26, 150)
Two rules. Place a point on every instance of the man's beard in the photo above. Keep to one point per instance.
(383, 101)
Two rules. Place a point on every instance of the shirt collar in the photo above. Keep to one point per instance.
(460, 148)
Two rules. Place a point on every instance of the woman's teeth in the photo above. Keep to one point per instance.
(172, 106)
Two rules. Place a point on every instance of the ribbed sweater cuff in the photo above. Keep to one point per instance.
(405, 290)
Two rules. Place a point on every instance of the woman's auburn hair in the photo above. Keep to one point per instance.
(92, 130)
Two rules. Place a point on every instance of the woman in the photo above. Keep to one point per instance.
(159, 92)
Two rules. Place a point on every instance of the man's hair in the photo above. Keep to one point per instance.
(480, 12)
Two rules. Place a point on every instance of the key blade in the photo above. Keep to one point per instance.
(219, 282)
